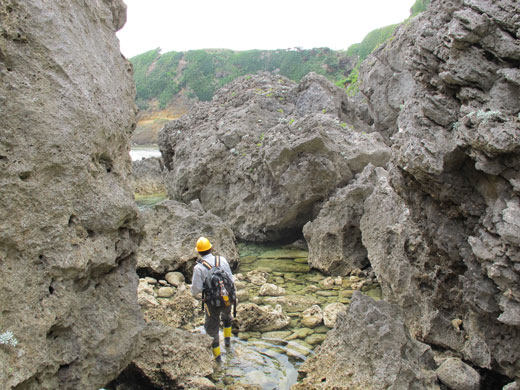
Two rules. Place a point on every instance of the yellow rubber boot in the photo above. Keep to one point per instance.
(227, 337)
(216, 353)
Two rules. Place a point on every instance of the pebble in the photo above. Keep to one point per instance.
(165, 292)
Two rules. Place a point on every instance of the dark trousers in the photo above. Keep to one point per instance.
(213, 315)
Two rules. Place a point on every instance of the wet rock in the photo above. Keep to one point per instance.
(68, 222)
(364, 350)
(175, 278)
(511, 386)
(457, 375)
(315, 338)
(256, 145)
(330, 313)
(257, 277)
(327, 283)
(298, 348)
(260, 318)
(293, 302)
(312, 317)
(272, 290)
(243, 295)
(168, 247)
(300, 333)
(148, 176)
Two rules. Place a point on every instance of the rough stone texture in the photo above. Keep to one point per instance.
(176, 311)
(250, 316)
(171, 231)
(457, 375)
(442, 231)
(370, 348)
(175, 278)
(334, 236)
(169, 359)
(265, 151)
(269, 289)
(330, 313)
(68, 231)
(312, 317)
(148, 176)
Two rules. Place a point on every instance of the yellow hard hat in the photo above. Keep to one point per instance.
(203, 245)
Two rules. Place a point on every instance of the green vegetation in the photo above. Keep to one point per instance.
(419, 6)
(199, 73)
(159, 76)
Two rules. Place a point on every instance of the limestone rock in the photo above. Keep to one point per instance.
(370, 348)
(172, 229)
(175, 278)
(68, 221)
(263, 140)
(257, 277)
(170, 356)
(445, 221)
(260, 318)
(148, 176)
(312, 317)
(269, 289)
(457, 375)
(165, 292)
(330, 313)
(334, 236)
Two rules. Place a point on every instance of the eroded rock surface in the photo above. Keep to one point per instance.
(265, 151)
(369, 348)
(442, 231)
(171, 231)
(68, 231)
(148, 176)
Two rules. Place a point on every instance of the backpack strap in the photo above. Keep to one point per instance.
(206, 264)
(217, 261)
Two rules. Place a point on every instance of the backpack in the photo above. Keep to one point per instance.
(218, 289)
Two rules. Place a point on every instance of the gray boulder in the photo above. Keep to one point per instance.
(68, 222)
(250, 316)
(148, 176)
(334, 236)
(457, 375)
(369, 348)
(265, 151)
(171, 232)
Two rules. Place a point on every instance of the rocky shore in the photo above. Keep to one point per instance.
(413, 185)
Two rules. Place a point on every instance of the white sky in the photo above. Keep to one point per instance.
(175, 25)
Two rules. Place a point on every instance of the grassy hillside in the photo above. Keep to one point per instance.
(201, 72)
(197, 74)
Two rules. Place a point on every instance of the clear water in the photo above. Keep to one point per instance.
(270, 360)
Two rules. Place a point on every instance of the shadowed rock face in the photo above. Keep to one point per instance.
(442, 231)
(68, 231)
(265, 151)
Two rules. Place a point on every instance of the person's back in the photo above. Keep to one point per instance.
(212, 312)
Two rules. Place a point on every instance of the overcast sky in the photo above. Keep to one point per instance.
(175, 25)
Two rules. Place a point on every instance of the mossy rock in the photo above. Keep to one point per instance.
(300, 333)
(284, 254)
(283, 266)
(316, 338)
(277, 335)
(375, 293)
(303, 260)
(298, 348)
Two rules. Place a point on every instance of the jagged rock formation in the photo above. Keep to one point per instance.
(68, 231)
(265, 151)
(168, 359)
(442, 232)
(148, 176)
(171, 231)
(370, 348)
(334, 236)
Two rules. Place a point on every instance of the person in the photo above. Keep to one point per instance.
(212, 314)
